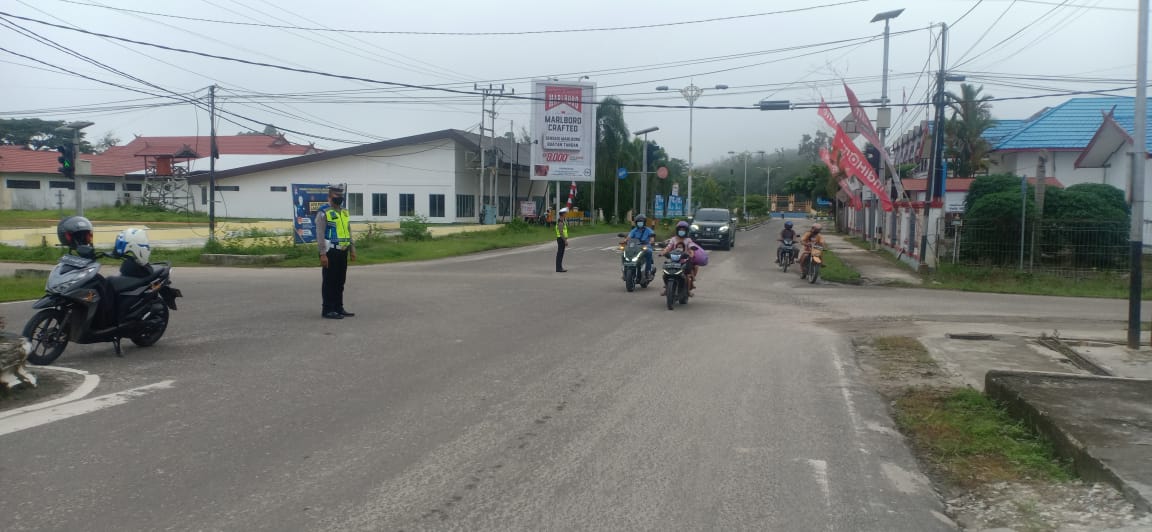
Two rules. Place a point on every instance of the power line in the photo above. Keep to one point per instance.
(985, 34)
(474, 33)
(966, 13)
(1024, 28)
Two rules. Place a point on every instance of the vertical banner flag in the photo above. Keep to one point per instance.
(660, 212)
(852, 197)
(563, 131)
(852, 160)
(571, 195)
(865, 128)
(306, 200)
(827, 158)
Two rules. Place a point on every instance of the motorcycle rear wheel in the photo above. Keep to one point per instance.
(152, 335)
(46, 332)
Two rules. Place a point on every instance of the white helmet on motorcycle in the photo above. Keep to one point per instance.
(133, 242)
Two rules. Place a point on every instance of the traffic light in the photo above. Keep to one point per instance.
(653, 150)
(67, 160)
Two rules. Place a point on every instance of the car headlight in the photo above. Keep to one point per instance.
(724, 229)
(695, 227)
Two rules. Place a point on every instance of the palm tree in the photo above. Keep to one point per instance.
(612, 150)
(971, 117)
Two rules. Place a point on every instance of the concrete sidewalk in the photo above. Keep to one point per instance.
(1073, 380)
(874, 268)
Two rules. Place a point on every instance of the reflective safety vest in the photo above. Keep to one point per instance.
(338, 231)
(560, 223)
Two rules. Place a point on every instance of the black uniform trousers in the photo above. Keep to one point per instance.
(334, 276)
(561, 243)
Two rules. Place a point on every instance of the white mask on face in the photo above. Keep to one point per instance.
(682, 234)
(639, 224)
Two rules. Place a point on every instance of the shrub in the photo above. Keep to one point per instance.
(415, 228)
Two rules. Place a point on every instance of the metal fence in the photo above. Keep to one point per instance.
(1043, 246)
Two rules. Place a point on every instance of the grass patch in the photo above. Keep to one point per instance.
(972, 440)
(131, 213)
(21, 288)
(1006, 281)
(836, 271)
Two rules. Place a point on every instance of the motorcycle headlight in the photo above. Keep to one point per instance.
(695, 227)
(724, 229)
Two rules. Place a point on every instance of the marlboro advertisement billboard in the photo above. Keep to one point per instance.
(563, 131)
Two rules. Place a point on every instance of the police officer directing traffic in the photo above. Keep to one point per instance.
(335, 250)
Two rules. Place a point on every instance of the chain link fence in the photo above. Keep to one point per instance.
(1052, 246)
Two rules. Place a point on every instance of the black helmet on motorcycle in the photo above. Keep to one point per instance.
(74, 231)
(788, 225)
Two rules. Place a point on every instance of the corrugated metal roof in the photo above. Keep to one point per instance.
(1070, 125)
(1001, 129)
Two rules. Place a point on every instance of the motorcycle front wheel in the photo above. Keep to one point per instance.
(670, 293)
(45, 330)
(629, 281)
(813, 273)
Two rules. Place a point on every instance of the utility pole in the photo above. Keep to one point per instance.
(884, 114)
(935, 176)
(1139, 156)
(212, 163)
(494, 92)
(76, 156)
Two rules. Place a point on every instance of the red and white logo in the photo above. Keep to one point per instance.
(557, 96)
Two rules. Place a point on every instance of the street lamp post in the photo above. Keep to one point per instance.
(691, 93)
(884, 114)
(74, 128)
(644, 169)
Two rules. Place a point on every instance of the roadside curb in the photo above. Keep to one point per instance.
(1024, 395)
(85, 388)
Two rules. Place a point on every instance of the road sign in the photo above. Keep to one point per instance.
(662, 172)
(622, 173)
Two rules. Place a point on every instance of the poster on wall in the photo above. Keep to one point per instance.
(306, 200)
(563, 131)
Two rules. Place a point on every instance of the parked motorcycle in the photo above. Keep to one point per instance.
(787, 254)
(677, 267)
(810, 269)
(632, 254)
(71, 311)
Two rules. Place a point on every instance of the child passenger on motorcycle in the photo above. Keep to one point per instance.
(683, 242)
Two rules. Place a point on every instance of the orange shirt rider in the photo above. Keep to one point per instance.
(813, 236)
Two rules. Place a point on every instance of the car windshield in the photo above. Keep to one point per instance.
(712, 216)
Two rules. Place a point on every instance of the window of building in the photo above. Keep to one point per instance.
(70, 185)
(407, 205)
(277, 189)
(23, 183)
(97, 185)
(465, 206)
(379, 204)
(133, 187)
(227, 188)
(355, 203)
(435, 205)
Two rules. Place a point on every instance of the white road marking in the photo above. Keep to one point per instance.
(82, 391)
(820, 471)
(849, 404)
(44, 416)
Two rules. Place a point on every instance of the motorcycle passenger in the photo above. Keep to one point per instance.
(640, 231)
(682, 241)
(812, 237)
(786, 234)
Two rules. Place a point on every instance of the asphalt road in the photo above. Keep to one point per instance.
(488, 393)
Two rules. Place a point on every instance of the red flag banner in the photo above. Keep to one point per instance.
(864, 126)
(852, 160)
(571, 194)
(827, 158)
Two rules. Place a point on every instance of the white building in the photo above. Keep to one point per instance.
(1110, 152)
(435, 175)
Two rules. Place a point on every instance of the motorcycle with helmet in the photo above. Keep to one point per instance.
(636, 255)
(84, 307)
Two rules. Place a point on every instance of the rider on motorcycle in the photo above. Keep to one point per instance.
(647, 237)
(786, 234)
(685, 243)
(812, 237)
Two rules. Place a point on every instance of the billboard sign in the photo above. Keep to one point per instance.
(306, 200)
(563, 131)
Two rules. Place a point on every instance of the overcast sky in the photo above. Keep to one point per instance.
(1076, 38)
